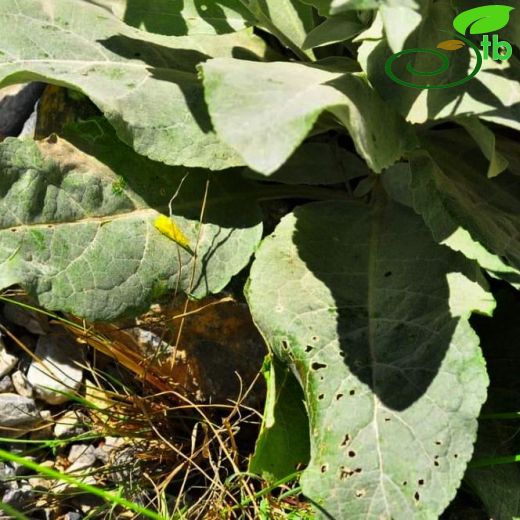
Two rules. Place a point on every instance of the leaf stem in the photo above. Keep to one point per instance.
(506, 415)
(494, 461)
(108, 496)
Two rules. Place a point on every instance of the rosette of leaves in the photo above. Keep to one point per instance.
(365, 293)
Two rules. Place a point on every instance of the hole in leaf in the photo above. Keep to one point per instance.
(308, 348)
(417, 496)
(352, 392)
(318, 366)
(360, 493)
(315, 338)
(321, 396)
(405, 483)
(324, 468)
(351, 453)
(455, 455)
(420, 482)
(285, 345)
(346, 440)
(438, 443)
(338, 397)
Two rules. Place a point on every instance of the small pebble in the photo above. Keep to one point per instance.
(7, 361)
(16, 410)
(72, 515)
(6, 385)
(82, 456)
(68, 425)
(45, 430)
(60, 372)
(21, 384)
(18, 498)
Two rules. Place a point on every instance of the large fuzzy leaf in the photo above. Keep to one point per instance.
(466, 211)
(283, 442)
(77, 230)
(176, 18)
(497, 485)
(335, 29)
(486, 140)
(493, 94)
(289, 20)
(265, 111)
(400, 19)
(145, 84)
(373, 316)
(317, 163)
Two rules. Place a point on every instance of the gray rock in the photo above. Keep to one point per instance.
(72, 515)
(82, 456)
(59, 372)
(45, 430)
(6, 385)
(23, 318)
(69, 425)
(29, 128)
(7, 361)
(6, 474)
(151, 343)
(18, 498)
(106, 450)
(21, 385)
(16, 410)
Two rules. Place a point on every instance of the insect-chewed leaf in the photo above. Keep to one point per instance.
(451, 45)
(483, 19)
(167, 227)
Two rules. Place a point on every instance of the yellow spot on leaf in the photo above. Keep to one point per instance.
(451, 45)
(167, 227)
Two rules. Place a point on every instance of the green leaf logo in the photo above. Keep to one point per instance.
(485, 19)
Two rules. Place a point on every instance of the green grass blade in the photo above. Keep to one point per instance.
(109, 497)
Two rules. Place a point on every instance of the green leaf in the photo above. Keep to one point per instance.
(317, 163)
(492, 95)
(378, 333)
(175, 18)
(76, 226)
(400, 21)
(145, 84)
(497, 486)
(483, 19)
(331, 7)
(289, 20)
(282, 101)
(466, 211)
(283, 443)
(400, 18)
(335, 29)
(485, 138)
